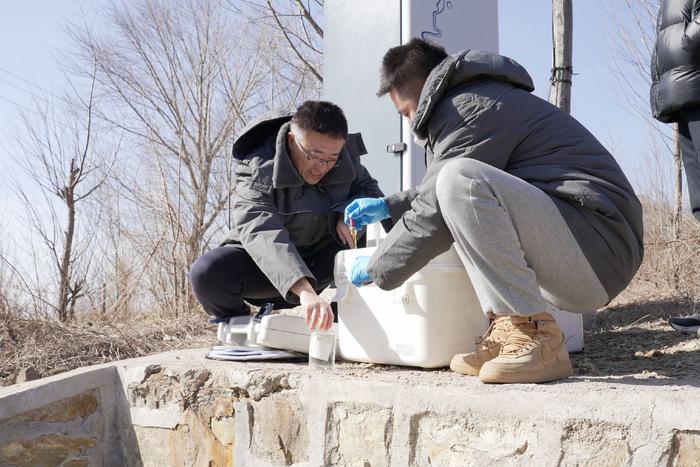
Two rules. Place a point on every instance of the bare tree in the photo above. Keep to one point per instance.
(562, 68)
(180, 78)
(66, 167)
(677, 186)
(299, 24)
(6, 306)
(633, 40)
(632, 43)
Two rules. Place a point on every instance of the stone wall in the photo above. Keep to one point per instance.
(180, 418)
(70, 421)
(180, 409)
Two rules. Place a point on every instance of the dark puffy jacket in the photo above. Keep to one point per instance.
(675, 62)
(278, 218)
(478, 105)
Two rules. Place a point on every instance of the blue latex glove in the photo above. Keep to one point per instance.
(358, 272)
(365, 211)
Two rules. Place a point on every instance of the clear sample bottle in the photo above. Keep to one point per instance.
(322, 350)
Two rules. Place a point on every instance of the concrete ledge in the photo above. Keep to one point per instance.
(179, 408)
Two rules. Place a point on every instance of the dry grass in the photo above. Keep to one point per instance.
(51, 347)
(671, 266)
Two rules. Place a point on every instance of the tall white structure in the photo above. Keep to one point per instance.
(357, 33)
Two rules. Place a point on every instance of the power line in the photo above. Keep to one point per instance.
(35, 112)
(44, 99)
(25, 80)
(16, 104)
(16, 87)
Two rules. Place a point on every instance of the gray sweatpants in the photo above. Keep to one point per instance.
(514, 243)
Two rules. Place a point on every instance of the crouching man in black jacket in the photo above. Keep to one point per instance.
(294, 176)
(537, 209)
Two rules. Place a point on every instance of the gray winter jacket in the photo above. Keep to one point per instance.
(478, 105)
(278, 218)
(675, 62)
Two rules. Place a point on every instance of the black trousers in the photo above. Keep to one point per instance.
(689, 130)
(225, 278)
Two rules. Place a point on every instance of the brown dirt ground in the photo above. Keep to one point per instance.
(631, 337)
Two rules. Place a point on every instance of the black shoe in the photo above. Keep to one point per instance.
(686, 324)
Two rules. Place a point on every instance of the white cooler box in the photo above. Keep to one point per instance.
(434, 315)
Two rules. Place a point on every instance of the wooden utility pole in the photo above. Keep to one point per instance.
(562, 70)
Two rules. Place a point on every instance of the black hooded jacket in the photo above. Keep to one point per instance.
(675, 63)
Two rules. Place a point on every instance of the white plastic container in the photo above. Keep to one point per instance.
(434, 315)
(285, 332)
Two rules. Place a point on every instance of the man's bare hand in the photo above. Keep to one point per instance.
(318, 312)
(344, 233)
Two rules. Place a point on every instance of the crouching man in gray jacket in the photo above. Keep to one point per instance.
(537, 208)
(294, 176)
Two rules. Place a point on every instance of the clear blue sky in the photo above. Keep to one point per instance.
(31, 35)
(32, 38)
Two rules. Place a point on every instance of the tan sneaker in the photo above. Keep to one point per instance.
(534, 351)
(487, 348)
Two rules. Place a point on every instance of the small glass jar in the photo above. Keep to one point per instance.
(322, 350)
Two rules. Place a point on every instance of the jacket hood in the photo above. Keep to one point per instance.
(465, 66)
(257, 131)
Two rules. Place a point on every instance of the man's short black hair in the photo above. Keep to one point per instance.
(407, 64)
(322, 117)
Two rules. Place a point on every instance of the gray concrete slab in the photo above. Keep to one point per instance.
(179, 407)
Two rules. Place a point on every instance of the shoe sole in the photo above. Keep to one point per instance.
(685, 329)
(560, 371)
(464, 369)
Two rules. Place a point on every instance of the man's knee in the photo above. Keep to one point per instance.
(445, 185)
(205, 273)
(198, 274)
(459, 178)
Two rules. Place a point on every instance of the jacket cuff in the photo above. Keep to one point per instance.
(290, 296)
(400, 202)
(378, 277)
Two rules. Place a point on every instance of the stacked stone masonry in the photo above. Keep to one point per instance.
(181, 409)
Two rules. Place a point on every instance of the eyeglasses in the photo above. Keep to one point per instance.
(332, 163)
